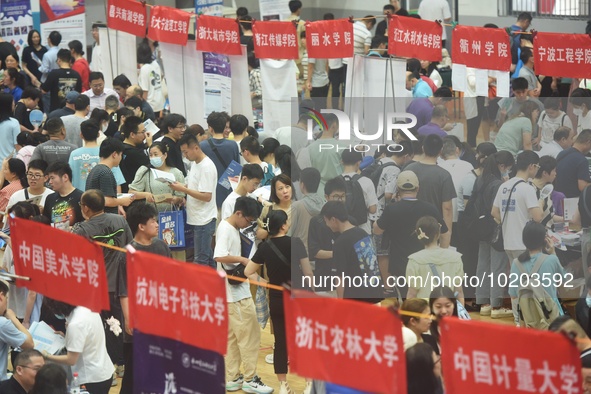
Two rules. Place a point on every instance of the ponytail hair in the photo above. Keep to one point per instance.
(17, 167)
(534, 238)
(490, 167)
(427, 229)
(275, 220)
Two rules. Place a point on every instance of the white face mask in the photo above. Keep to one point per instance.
(578, 111)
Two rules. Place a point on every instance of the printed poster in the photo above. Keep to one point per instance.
(16, 20)
(274, 10)
(65, 16)
(217, 83)
(209, 7)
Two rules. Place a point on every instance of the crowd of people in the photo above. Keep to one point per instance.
(430, 206)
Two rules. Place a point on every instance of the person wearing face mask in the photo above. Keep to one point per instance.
(145, 186)
(134, 153)
(580, 99)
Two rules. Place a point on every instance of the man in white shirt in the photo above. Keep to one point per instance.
(200, 190)
(563, 139)
(436, 10)
(98, 93)
(456, 167)
(96, 55)
(362, 35)
(37, 192)
(551, 119)
(581, 103)
(318, 82)
(250, 179)
(351, 161)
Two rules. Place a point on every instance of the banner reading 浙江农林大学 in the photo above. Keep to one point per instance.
(16, 22)
(67, 17)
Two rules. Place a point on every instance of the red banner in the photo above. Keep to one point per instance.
(275, 40)
(61, 265)
(481, 47)
(410, 37)
(329, 39)
(180, 301)
(562, 55)
(340, 340)
(169, 25)
(218, 35)
(528, 361)
(128, 16)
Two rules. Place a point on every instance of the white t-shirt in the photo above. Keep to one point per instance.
(547, 125)
(552, 148)
(458, 169)
(523, 198)
(86, 335)
(228, 244)
(150, 80)
(20, 196)
(203, 177)
(228, 205)
(386, 184)
(432, 10)
(319, 74)
(369, 194)
(584, 122)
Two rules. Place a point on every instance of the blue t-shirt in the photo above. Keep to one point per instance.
(9, 129)
(82, 160)
(432, 128)
(422, 108)
(16, 93)
(550, 267)
(572, 166)
(422, 89)
(228, 151)
(9, 336)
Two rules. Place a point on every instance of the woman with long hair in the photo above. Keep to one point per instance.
(13, 61)
(9, 127)
(516, 134)
(423, 370)
(281, 196)
(267, 153)
(14, 172)
(419, 325)
(442, 302)
(33, 57)
(150, 78)
(489, 296)
(13, 83)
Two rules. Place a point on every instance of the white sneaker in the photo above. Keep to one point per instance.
(308, 388)
(285, 389)
(235, 384)
(501, 313)
(269, 358)
(256, 386)
(485, 310)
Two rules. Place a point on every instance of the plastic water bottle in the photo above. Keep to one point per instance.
(75, 385)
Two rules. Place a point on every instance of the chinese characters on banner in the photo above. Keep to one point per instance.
(169, 25)
(275, 40)
(329, 39)
(471, 365)
(410, 37)
(480, 47)
(128, 16)
(176, 300)
(561, 55)
(219, 35)
(326, 341)
(61, 265)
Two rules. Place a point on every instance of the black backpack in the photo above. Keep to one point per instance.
(355, 199)
(374, 171)
(476, 218)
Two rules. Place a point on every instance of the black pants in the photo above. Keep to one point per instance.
(114, 343)
(127, 382)
(337, 77)
(461, 240)
(319, 96)
(278, 319)
(100, 387)
(474, 123)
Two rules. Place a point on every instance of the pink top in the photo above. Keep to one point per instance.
(7, 192)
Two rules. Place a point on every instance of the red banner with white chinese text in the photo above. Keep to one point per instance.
(180, 301)
(218, 35)
(128, 16)
(562, 55)
(414, 38)
(169, 25)
(481, 47)
(61, 265)
(275, 40)
(528, 361)
(341, 340)
(329, 39)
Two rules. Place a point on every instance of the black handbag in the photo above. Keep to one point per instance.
(237, 271)
(497, 241)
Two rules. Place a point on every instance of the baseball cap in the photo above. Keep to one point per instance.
(71, 97)
(407, 180)
(366, 162)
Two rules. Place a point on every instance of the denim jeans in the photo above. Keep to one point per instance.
(203, 238)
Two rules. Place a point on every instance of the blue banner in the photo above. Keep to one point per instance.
(16, 21)
(165, 366)
(209, 7)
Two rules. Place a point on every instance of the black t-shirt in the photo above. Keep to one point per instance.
(320, 237)
(59, 83)
(584, 206)
(399, 221)
(355, 256)
(101, 177)
(63, 212)
(279, 272)
(381, 28)
(11, 386)
(175, 157)
(133, 158)
(29, 55)
(572, 166)
(21, 113)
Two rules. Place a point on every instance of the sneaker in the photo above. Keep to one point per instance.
(500, 313)
(269, 358)
(235, 384)
(285, 389)
(114, 382)
(308, 388)
(485, 310)
(256, 386)
(120, 370)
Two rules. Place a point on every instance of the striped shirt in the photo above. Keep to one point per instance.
(8, 191)
(361, 38)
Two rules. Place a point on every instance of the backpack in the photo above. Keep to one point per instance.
(355, 199)
(476, 219)
(546, 137)
(269, 174)
(374, 171)
(535, 306)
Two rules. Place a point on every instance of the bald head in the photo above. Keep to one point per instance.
(134, 91)
(93, 200)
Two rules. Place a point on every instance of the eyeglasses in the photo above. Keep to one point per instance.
(338, 197)
(34, 176)
(36, 369)
(182, 127)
